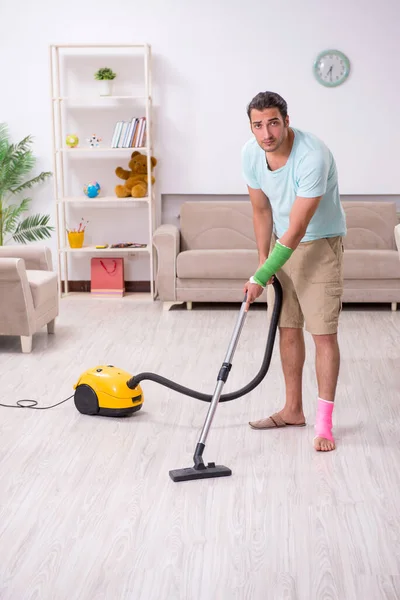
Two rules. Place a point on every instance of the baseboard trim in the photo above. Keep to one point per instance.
(84, 286)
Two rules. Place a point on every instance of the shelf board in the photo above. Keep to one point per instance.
(128, 297)
(105, 200)
(98, 97)
(99, 45)
(94, 250)
(100, 149)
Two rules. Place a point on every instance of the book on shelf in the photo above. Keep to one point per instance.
(130, 134)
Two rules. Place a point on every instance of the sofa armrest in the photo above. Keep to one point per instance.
(397, 237)
(17, 313)
(37, 258)
(167, 241)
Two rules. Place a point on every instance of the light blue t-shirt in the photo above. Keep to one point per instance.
(310, 171)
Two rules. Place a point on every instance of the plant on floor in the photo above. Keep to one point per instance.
(103, 74)
(16, 163)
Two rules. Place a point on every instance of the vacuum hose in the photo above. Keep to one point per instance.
(136, 379)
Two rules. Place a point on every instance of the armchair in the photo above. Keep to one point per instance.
(28, 292)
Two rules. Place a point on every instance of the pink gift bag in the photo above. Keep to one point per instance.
(107, 277)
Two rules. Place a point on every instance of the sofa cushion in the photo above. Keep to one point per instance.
(240, 264)
(217, 225)
(217, 264)
(371, 264)
(43, 286)
(370, 225)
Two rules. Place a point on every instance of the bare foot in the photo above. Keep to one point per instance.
(323, 445)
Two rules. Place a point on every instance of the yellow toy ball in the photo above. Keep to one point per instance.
(72, 140)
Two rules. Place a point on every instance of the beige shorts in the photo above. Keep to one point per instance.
(312, 285)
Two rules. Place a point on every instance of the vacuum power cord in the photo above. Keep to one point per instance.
(33, 404)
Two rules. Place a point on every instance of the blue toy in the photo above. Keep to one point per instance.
(92, 189)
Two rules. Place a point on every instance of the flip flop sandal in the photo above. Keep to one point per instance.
(273, 422)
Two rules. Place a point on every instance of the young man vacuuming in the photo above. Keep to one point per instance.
(299, 225)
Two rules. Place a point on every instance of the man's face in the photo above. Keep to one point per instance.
(269, 128)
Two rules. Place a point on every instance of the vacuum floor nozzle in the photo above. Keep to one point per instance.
(202, 472)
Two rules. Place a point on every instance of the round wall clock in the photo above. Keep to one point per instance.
(331, 68)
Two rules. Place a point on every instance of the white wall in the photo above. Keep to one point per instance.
(210, 59)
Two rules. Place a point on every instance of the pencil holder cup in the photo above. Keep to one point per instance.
(75, 238)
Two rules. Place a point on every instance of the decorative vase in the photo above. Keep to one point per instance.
(105, 87)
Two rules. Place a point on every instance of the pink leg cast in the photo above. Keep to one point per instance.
(323, 422)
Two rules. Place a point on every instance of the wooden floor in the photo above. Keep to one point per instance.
(87, 508)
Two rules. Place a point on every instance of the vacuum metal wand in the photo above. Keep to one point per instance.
(200, 470)
(224, 373)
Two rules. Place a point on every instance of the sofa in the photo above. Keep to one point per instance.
(29, 298)
(212, 253)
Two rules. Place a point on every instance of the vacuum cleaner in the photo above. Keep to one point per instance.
(109, 391)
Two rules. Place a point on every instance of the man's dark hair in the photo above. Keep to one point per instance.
(265, 100)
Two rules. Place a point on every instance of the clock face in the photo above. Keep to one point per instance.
(331, 68)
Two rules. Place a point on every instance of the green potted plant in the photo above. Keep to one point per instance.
(105, 76)
(16, 162)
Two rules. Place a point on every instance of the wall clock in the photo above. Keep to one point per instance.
(331, 68)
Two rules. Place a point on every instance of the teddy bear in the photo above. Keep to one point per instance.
(136, 179)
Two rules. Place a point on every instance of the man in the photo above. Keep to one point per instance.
(299, 225)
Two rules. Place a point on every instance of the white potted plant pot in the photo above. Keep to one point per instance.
(105, 87)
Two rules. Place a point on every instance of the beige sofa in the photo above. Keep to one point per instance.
(28, 292)
(213, 252)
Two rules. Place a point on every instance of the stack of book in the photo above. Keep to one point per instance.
(130, 134)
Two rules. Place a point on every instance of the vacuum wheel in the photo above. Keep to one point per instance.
(86, 401)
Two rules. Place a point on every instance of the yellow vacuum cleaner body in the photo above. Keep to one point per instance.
(104, 391)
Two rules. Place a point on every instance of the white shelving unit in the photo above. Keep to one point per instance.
(59, 105)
